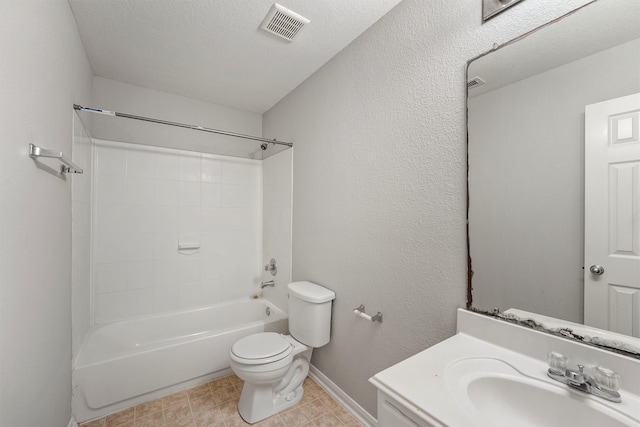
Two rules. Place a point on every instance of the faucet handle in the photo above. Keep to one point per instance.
(607, 379)
(557, 363)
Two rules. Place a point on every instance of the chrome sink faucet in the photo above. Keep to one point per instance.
(605, 383)
(269, 283)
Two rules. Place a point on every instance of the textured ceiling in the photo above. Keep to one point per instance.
(212, 50)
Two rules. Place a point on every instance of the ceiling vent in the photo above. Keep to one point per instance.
(475, 82)
(283, 22)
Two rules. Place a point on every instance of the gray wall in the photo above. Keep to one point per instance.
(43, 71)
(379, 177)
(526, 183)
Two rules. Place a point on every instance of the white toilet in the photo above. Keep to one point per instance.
(273, 366)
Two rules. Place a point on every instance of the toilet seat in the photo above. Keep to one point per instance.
(261, 348)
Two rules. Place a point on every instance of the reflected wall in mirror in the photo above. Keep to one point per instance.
(526, 127)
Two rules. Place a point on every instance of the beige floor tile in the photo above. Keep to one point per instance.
(175, 398)
(178, 412)
(273, 421)
(94, 423)
(220, 383)
(314, 409)
(205, 412)
(307, 397)
(294, 417)
(120, 418)
(202, 389)
(235, 379)
(215, 404)
(229, 409)
(235, 421)
(225, 394)
(343, 415)
(328, 420)
(204, 402)
(331, 404)
(148, 408)
(180, 423)
(150, 420)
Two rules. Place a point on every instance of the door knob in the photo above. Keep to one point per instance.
(597, 270)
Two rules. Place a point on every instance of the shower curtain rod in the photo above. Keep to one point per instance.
(182, 125)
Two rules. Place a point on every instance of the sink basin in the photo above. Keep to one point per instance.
(495, 392)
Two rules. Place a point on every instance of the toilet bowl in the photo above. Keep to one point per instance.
(274, 366)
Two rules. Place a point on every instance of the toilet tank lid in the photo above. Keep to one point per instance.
(311, 292)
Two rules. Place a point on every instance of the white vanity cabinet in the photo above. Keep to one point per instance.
(393, 414)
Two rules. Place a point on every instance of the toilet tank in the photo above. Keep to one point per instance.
(310, 313)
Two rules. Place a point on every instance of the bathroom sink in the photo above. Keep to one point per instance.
(493, 390)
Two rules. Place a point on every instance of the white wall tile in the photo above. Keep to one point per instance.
(112, 277)
(190, 295)
(140, 162)
(210, 219)
(111, 160)
(166, 272)
(240, 241)
(140, 274)
(140, 191)
(240, 265)
(111, 190)
(240, 219)
(210, 169)
(189, 219)
(111, 247)
(112, 306)
(140, 219)
(80, 220)
(140, 302)
(189, 193)
(165, 245)
(140, 246)
(165, 219)
(241, 172)
(167, 165)
(241, 196)
(209, 268)
(210, 244)
(211, 194)
(111, 219)
(190, 167)
(166, 197)
(211, 291)
(189, 268)
(166, 298)
(165, 193)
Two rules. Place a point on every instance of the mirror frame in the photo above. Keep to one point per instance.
(566, 333)
(491, 8)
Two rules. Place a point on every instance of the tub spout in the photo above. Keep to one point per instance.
(269, 283)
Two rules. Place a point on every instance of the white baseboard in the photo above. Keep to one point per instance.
(72, 422)
(342, 398)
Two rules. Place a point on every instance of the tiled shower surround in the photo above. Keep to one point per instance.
(147, 202)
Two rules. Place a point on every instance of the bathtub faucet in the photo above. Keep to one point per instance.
(269, 283)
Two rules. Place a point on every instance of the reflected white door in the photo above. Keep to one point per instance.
(612, 215)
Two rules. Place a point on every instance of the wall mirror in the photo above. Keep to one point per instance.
(527, 176)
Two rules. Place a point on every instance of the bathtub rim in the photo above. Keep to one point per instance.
(277, 314)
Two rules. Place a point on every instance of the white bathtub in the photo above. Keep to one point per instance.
(124, 363)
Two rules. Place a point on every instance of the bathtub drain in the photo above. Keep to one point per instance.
(268, 311)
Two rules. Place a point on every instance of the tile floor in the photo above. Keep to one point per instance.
(215, 405)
